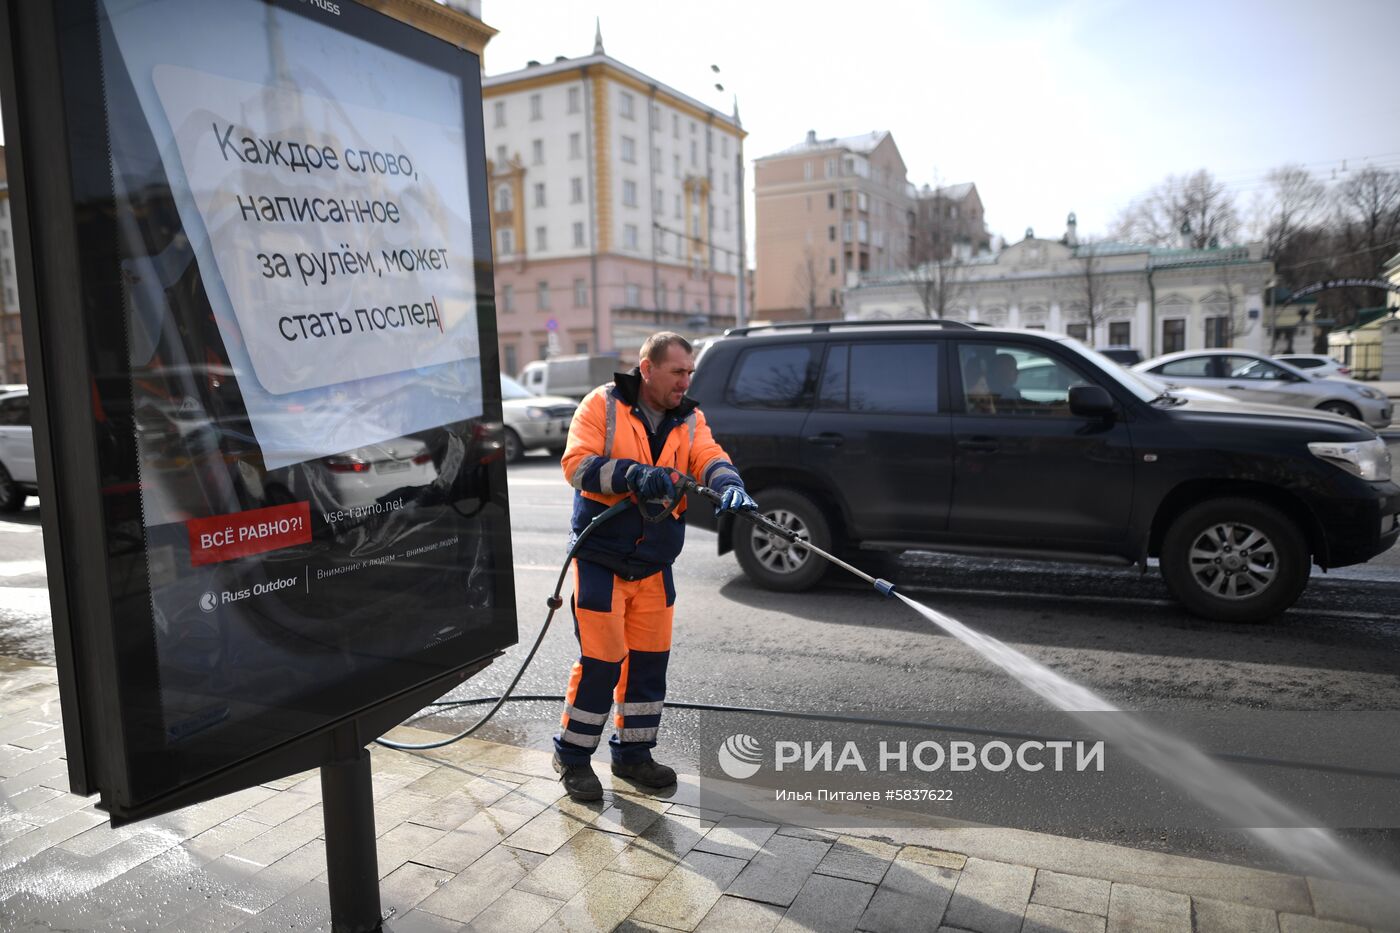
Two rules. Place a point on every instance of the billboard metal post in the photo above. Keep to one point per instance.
(352, 865)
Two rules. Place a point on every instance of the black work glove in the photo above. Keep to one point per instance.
(651, 482)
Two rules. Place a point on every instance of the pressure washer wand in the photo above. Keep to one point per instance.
(686, 483)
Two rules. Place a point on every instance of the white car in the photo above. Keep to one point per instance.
(534, 420)
(18, 475)
(1253, 377)
(1315, 364)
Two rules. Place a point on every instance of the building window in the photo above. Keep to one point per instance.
(656, 159)
(508, 300)
(574, 96)
(830, 168)
(575, 190)
(831, 265)
(1120, 333)
(576, 145)
(831, 233)
(537, 151)
(680, 298)
(633, 297)
(541, 239)
(863, 228)
(578, 234)
(661, 297)
(1218, 331)
(544, 296)
(1079, 332)
(846, 231)
(625, 107)
(678, 207)
(693, 152)
(676, 165)
(506, 240)
(629, 149)
(503, 199)
(629, 236)
(726, 218)
(655, 115)
(580, 293)
(536, 107)
(1174, 335)
(544, 351)
(629, 194)
(676, 126)
(724, 182)
(724, 146)
(508, 358)
(862, 201)
(539, 194)
(580, 346)
(500, 111)
(657, 199)
(807, 170)
(831, 201)
(501, 157)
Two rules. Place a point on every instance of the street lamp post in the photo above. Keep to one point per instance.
(741, 315)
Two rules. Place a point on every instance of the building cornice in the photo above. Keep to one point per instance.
(437, 19)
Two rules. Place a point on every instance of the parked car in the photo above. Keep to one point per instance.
(892, 436)
(534, 420)
(1123, 356)
(1257, 378)
(18, 477)
(1315, 364)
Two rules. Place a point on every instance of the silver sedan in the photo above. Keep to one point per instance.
(1257, 378)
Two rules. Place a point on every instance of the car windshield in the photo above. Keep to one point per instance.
(511, 389)
(1142, 385)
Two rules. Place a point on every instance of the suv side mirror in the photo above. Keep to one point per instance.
(1090, 401)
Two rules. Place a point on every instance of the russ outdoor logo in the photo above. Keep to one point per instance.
(740, 756)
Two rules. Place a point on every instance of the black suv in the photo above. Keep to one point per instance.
(934, 435)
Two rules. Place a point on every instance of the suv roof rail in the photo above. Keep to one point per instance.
(821, 327)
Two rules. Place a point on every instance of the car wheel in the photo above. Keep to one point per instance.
(1235, 560)
(514, 448)
(773, 562)
(11, 496)
(1340, 408)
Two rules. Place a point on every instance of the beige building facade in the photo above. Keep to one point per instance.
(615, 209)
(1157, 300)
(827, 212)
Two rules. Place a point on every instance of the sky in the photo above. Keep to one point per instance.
(1050, 107)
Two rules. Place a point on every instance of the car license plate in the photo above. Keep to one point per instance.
(392, 466)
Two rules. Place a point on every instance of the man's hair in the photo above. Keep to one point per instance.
(659, 344)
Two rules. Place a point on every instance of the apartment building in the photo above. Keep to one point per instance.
(828, 210)
(615, 208)
(950, 223)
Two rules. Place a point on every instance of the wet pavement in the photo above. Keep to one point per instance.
(478, 836)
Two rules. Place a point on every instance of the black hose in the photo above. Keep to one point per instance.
(554, 602)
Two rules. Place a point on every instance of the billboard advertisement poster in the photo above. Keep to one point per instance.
(283, 254)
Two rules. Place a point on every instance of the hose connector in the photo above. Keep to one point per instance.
(885, 587)
(555, 603)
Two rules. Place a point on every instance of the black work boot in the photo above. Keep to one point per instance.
(645, 772)
(580, 783)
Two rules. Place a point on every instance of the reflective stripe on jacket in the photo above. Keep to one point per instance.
(607, 437)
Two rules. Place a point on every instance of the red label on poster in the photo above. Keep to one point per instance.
(240, 534)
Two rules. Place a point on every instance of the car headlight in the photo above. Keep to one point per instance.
(1369, 460)
(535, 414)
(1368, 392)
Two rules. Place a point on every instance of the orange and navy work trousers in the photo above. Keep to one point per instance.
(624, 635)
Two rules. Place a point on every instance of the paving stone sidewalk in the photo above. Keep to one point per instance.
(479, 836)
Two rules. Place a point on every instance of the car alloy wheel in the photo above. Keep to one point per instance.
(771, 561)
(514, 449)
(776, 553)
(1341, 408)
(1233, 560)
(11, 496)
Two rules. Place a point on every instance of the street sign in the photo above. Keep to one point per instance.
(551, 325)
(265, 380)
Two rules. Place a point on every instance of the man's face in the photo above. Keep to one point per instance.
(664, 383)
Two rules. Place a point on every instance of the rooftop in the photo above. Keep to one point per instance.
(864, 144)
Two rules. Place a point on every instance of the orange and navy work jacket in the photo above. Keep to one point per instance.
(609, 435)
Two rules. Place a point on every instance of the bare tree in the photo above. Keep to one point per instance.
(1090, 289)
(1291, 203)
(934, 266)
(1195, 208)
(805, 281)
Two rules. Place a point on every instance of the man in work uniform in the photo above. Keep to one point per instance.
(629, 438)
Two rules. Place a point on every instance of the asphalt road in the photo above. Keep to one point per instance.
(843, 648)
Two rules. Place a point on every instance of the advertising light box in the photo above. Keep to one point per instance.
(269, 377)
